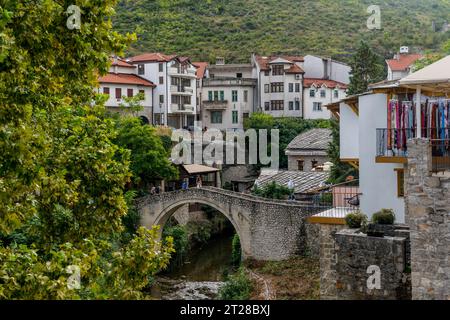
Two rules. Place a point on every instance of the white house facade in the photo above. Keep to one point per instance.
(175, 95)
(122, 81)
(318, 93)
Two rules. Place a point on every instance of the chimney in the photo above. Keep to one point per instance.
(404, 50)
(220, 61)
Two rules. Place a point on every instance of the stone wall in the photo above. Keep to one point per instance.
(356, 252)
(428, 215)
(293, 165)
(312, 231)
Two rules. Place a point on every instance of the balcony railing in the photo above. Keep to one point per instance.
(181, 89)
(215, 104)
(182, 72)
(440, 160)
(182, 108)
(393, 142)
(228, 82)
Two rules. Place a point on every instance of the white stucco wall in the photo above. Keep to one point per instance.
(309, 112)
(349, 133)
(378, 182)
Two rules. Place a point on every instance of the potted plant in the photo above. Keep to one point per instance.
(382, 223)
(356, 220)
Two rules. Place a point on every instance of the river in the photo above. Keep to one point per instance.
(201, 277)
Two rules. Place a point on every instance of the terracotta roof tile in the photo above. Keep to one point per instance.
(263, 62)
(403, 62)
(308, 82)
(154, 56)
(121, 63)
(124, 78)
(201, 69)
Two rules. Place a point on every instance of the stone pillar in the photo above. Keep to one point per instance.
(428, 215)
(328, 260)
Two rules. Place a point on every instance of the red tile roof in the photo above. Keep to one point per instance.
(201, 69)
(308, 82)
(155, 56)
(124, 78)
(263, 62)
(120, 63)
(403, 62)
(295, 69)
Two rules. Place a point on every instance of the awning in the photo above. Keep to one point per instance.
(199, 169)
(435, 77)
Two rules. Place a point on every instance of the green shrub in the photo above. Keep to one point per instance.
(385, 216)
(236, 256)
(355, 219)
(180, 244)
(237, 287)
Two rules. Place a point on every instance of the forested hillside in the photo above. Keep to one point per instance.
(204, 29)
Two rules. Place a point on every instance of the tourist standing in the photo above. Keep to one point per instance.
(291, 187)
(199, 181)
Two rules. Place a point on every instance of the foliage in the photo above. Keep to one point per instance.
(355, 220)
(367, 67)
(237, 287)
(432, 56)
(289, 129)
(149, 158)
(385, 216)
(27, 274)
(235, 29)
(62, 177)
(272, 190)
(200, 231)
(236, 254)
(179, 234)
(340, 170)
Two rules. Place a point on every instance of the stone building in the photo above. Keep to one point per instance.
(308, 150)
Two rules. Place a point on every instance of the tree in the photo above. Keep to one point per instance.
(272, 190)
(339, 171)
(367, 67)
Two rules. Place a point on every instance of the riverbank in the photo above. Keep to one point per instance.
(294, 279)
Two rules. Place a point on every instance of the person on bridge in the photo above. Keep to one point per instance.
(199, 181)
(291, 187)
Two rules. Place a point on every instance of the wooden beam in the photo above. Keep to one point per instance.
(354, 107)
(382, 159)
(324, 220)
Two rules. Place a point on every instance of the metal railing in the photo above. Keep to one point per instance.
(393, 142)
(440, 160)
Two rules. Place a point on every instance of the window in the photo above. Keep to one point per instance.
(297, 105)
(312, 93)
(118, 93)
(210, 96)
(317, 106)
(297, 87)
(234, 95)
(266, 88)
(141, 69)
(267, 106)
(161, 67)
(129, 93)
(216, 95)
(106, 90)
(222, 96)
(278, 70)
(314, 164)
(161, 80)
(161, 98)
(216, 116)
(235, 117)
(245, 95)
(291, 87)
(291, 105)
(277, 105)
(238, 75)
(277, 87)
(400, 183)
(300, 165)
(142, 92)
(266, 73)
(336, 93)
(323, 93)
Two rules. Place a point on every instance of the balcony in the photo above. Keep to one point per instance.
(182, 108)
(440, 157)
(181, 90)
(185, 73)
(218, 82)
(392, 145)
(215, 105)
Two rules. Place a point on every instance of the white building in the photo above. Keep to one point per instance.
(401, 65)
(227, 95)
(320, 92)
(327, 69)
(123, 81)
(175, 95)
(280, 85)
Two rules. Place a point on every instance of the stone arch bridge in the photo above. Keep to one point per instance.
(268, 230)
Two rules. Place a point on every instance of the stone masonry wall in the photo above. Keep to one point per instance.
(428, 215)
(293, 164)
(356, 252)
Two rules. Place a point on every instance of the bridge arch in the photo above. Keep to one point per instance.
(268, 230)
